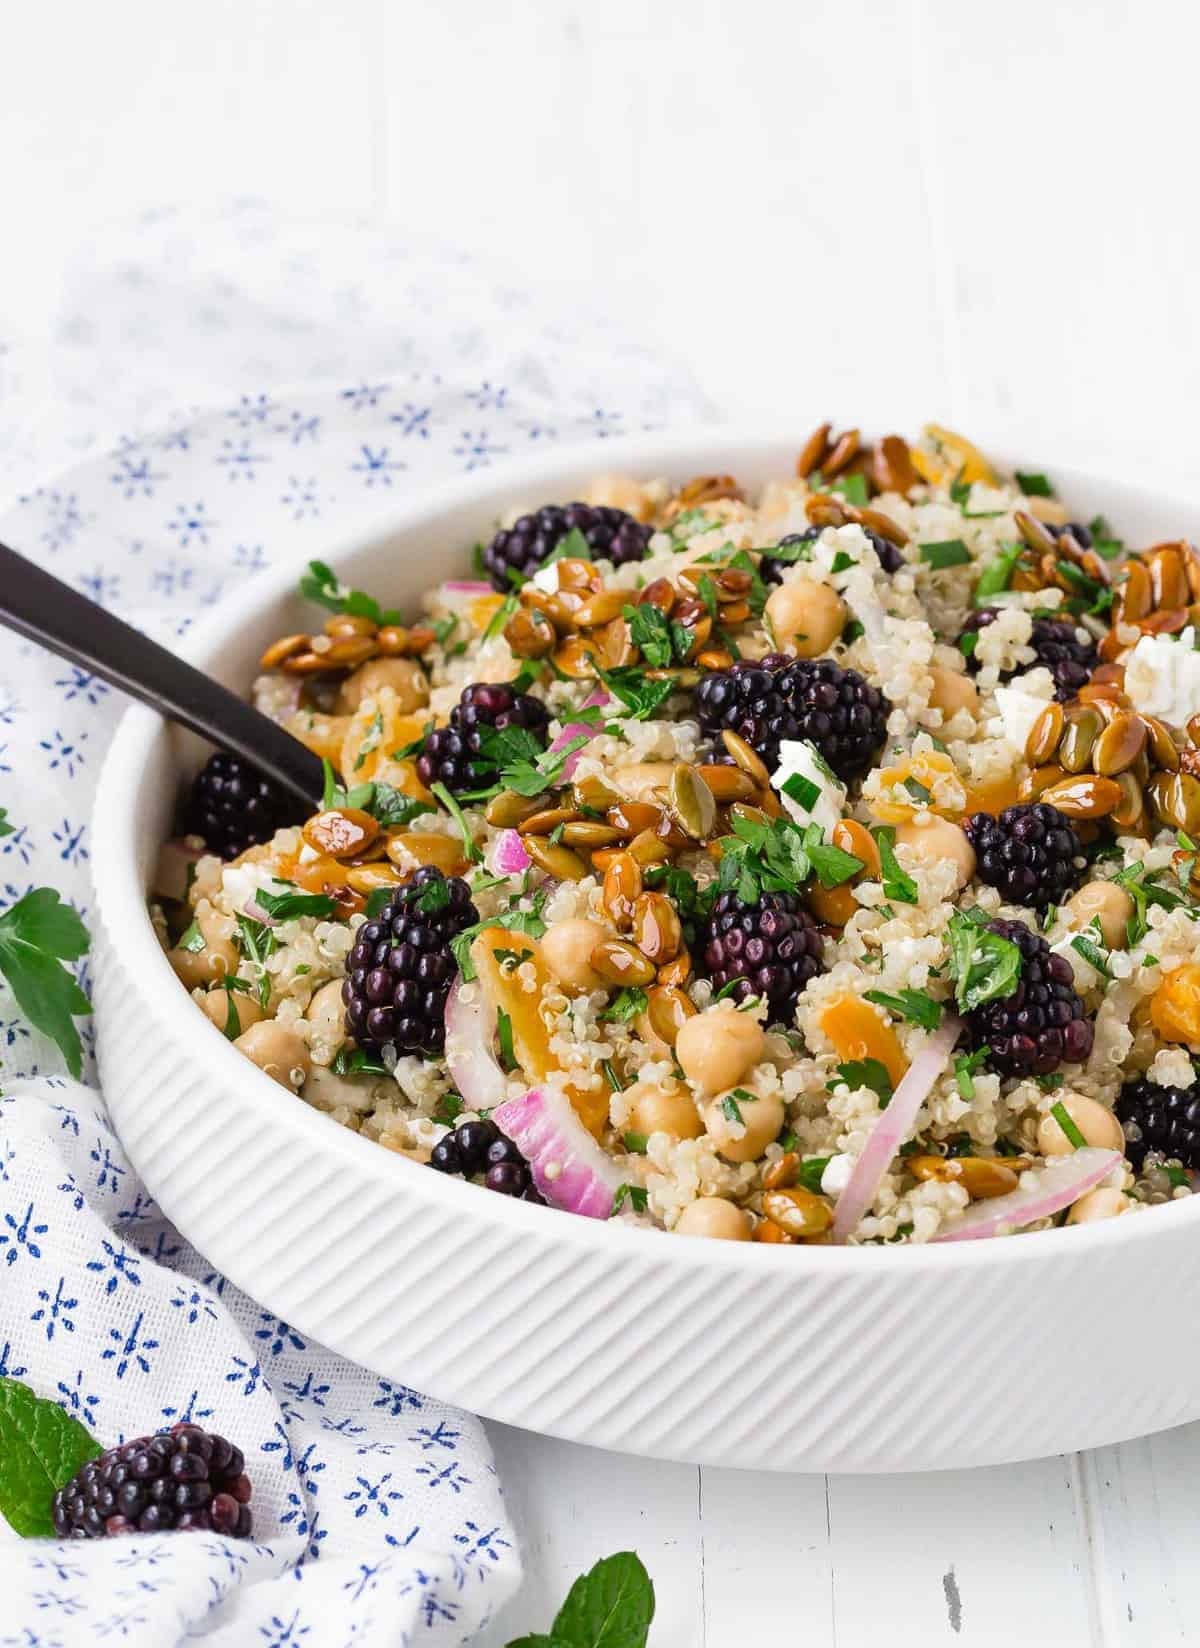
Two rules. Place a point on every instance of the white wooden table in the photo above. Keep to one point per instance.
(893, 208)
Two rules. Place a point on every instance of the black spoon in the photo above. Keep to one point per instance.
(52, 613)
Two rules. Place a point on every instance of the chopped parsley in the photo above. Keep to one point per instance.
(474, 854)
(193, 940)
(320, 584)
(778, 856)
(911, 1005)
(851, 487)
(448, 1109)
(984, 965)
(635, 1195)
(626, 1004)
(810, 1173)
(513, 920)
(352, 1061)
(867, 1073)
(636, 1143)
(1092, 953)
(525, 767)
(948, 552)
(1034, 485)
(641, 694)
(504, 1036)
(610, 1075)
(386, 805)
(500, 617)
(660, 641)
(897, 883)
(1104, 541)
(731, 1104)
(286, 906)
(257, 943)
(572, 547)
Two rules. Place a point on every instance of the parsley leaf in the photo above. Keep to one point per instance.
(640, 694)
(1068, 1124)
(867, 1073)
(636, 1196)
(626, 1004)
(513, 920)
(37, 934)
(998, 574)
(286, 906)
(1034, 486)
(778, 856)
(473, 852)
(949, 552)
(896, 882)
(910, 1004)
(984, 965)
(320, 584)
(525, 767)
(965, 1066)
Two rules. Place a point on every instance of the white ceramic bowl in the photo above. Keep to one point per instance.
(869, 1359)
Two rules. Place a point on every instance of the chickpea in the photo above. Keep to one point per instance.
(714, 1216)
(247, 1009)
(1106, 902)
(1098, 1204)
(953, 690)
(806, 616)
(567, 949)
(277, 1051)
(718, 1047)
(217, 957)
(404, 675)
(746, 1140)
(327, 1016)
(341, 1095)
(657, 1107)
(1097, 1124)
(935, 840)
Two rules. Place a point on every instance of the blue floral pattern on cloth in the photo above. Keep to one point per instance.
(378, 1515)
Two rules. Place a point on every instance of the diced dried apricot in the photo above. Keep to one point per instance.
(859, 1031)
(1175, 1005)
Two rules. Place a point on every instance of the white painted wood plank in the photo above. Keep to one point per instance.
(978, 1559)
(768, 1559)
(1142, 1504)
(574, 1505)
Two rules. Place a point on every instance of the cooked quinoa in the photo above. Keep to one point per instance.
(834, 848)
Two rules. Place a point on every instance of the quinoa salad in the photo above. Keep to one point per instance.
(814, 867)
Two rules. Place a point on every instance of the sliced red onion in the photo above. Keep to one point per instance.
(894, 1126)
(470, 1031)
(568, 1166)
(508, 855)
(255, 911)
(1062, 1181)
(579, 729)
(468, 586)
(175, 859)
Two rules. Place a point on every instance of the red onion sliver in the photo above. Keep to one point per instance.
(468, 586)
(568, 1166)
(508, 855)
(894, 1126)
(577, 729)
(470, 1029)
(1062, 1181)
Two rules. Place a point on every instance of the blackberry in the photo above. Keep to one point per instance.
(612, 535)
(182, 1478)
(453, 755)
(1042, 1024)
(782, 698)
(480, 1147)
(772, 567)
(1028, 853)
(401, 968)
(1166, 1119)
(1058, 647)
(233, 806)
(769, 949)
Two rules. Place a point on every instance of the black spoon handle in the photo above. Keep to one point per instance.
(51, 612)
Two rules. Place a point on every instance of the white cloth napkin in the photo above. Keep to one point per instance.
(378, 1517)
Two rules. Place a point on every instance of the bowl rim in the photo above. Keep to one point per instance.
(122, 904)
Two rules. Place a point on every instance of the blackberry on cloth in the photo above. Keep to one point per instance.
(780, 698)
(186, 1477)
(1028, 853)
(1166, 1119)
(611, 535)
(453, 755)
(769, 949)
(1058, 647)
(1042, 1024)
(234, 806)
(480, 1147)
(400, 970)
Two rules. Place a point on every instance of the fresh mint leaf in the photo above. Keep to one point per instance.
(611, 1606)
(287, 906)
(41, 1448)
(984, 965)
(37, 934)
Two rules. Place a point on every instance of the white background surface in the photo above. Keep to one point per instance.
(898, 210)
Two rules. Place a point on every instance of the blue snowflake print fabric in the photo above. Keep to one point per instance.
(378, 1516)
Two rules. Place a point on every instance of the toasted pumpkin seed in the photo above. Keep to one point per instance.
(601, 608)
(530, 633)
(656, 928)
(812, 453)
(556, 861)
(728, 783)
(589, 833)
(621, 889)
(342, 832)
(1084, 724)
(365, 878)
(691, 803)
(746, 758)
(631, 816)
(619, 963)
(797, 1211)
(1083, 796)
(1168, 579)
(594, 793)
(677, 971)
(288, 646)
(1044, 735)
(1130, 812)
(1119, 745)
(546, 820)
(667, 1011)
(1135, 596)
(508, 809)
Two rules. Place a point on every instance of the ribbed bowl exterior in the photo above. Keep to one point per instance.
(713, 1352)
